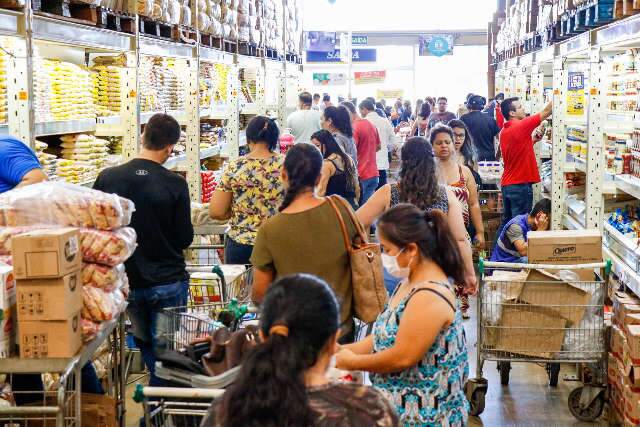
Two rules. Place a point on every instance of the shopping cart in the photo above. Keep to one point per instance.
(212, 286)
(543, 314)
(491, 209)
(174, 407)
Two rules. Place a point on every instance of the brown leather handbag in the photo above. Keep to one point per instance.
(369, 293)
(228, 349)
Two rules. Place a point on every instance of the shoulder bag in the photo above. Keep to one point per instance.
(369, 293)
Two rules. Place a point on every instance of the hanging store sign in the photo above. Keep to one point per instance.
(389, 93)
(329, 79)
(366, 77)
(436, 45)
(359, 40)
(575, 94)
(357, 55)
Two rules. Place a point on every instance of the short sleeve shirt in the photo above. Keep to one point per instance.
(16, 160)
(516, 145)
(257, 193)
(308, 242)
(443, 118)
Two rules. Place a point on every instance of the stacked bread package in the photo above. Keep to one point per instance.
(272, 24)
(106, 90)
(248, 25)
(105, 241)
(293, 16)
(160, 87)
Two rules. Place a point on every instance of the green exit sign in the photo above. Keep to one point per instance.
(359, 40)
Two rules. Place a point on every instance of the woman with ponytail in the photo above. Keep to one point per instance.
(305, 237)
(283, 381)
(417, 351)
(419, 186)
(250, 190)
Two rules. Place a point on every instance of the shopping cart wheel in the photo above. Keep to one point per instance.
(505, 369)
(476, 403)
(553, 369)
(591, 412)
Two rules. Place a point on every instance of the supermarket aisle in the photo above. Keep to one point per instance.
(527, 401)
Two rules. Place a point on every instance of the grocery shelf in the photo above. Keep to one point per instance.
(629, 184)
(216, 112)
(173, 162)
(242, 138)
(4, 129)
(571, 223)
(17, 365)
(626, 275)
(249, 109)
(156, 47)
(65, 126)
(70, 33)
(179, 115)
(9, 21)
(624, 249)
(209, 152)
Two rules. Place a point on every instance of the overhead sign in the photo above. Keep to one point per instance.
(365, 77)
(357, 55)
(389, 93)
(329, 79)
(359, 40)
(436, 45)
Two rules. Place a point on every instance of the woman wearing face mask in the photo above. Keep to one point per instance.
(460, 181)
(305, 236)
(283, 381)
(419, 186)
(417, 352)
(339, 175)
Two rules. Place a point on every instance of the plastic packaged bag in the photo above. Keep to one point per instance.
(89, 329)
(104, 277)
(99, 305)
(59, 203)
(107, 247)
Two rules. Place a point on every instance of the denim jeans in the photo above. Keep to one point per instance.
(237, 253)
(367, 188)
(382, 178)
(147, 323)
(517, 200)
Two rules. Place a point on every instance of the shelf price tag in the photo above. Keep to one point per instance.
(23, 95)
(132, 94)
(593, 91)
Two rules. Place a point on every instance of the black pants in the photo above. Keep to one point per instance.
(382, 178)
(237, 253)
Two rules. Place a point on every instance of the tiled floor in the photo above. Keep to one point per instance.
(526, 402)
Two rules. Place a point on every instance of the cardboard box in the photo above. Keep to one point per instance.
(565, 247)
(7, 311)
(632, 342)
(631, 402)
(46, 253)
(49, 299)
(543, 288)
(98, 410)
(530, 331)
(617, 342)
(56, 338)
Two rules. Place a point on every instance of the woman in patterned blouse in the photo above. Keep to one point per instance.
(283, 381)
(417, 351)
(250, 190)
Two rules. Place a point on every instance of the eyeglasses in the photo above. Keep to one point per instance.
(459, 135)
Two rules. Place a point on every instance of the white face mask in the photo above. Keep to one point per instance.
(390, 263)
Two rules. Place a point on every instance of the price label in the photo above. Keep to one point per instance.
(556, 91)
(593, 91)
(23, 95)
(132, 94)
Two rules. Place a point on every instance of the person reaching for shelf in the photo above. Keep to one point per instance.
(512, 244)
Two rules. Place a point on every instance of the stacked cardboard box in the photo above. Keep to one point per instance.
(47, 266)
(623, 371)
(8, 311)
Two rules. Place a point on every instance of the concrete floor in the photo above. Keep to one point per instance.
(526, 402)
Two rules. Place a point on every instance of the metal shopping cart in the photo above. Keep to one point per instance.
(491, 209)
(174, 407)
(543, 314)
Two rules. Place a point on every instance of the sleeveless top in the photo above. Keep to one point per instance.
(338, 183)
(460, 190)
(441, 203)
(431, 393)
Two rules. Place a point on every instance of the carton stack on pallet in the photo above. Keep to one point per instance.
(624, 359)
(47, 267)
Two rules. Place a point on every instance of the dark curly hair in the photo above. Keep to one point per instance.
(270, 389)
(303, 165)
(418, 180)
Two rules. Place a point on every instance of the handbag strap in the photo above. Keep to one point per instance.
(347, 243)
(356, 223)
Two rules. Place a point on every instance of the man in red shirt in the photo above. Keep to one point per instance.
(520, 164)
(368, 143)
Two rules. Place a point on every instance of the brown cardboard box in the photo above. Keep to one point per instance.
(54, 338)
(50, 299)
(7, 311)
(631, 402)
(565, 247)
(98, 410)
(617, 342)
(631, 319)
(529, 330)
(633, 344)
(46, 253)
(543, 288)
(624, 311)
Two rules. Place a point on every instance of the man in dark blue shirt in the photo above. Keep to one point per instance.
(18, 164)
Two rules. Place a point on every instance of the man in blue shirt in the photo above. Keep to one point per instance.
(513, 242)
(19, 165)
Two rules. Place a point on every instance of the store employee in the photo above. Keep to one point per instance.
(19, 165)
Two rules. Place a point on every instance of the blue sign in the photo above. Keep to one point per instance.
(436, 45)
(357, 55)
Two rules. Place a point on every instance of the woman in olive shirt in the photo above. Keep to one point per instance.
(305, 237)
